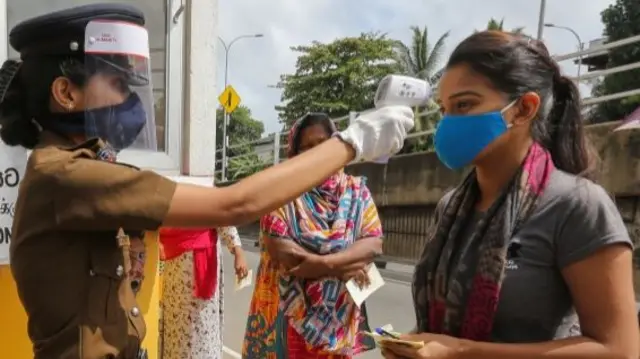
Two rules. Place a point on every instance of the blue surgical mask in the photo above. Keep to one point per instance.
(459, 139)
(118, 125)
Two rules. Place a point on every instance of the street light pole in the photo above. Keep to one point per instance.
(225, 120)
(580, 44)
(543, 7)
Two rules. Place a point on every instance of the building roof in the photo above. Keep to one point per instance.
(597, 60)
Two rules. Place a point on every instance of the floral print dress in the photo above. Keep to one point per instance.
(191, 328)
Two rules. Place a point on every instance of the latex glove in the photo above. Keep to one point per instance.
(379, 133)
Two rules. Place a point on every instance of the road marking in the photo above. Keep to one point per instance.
(232, 353)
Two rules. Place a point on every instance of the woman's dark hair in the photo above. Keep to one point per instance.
(308, 120)
(28, 96)
(516, 65)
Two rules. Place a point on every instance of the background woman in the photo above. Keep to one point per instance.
(193, 290)
(530, 258)
(310, 247)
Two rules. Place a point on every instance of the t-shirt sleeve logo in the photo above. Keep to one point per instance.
(514, 252)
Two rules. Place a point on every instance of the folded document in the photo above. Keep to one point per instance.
(360, 294)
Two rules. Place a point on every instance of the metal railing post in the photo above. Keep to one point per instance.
(276, 148)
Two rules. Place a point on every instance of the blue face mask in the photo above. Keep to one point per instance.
(118, 125)
(459, 139)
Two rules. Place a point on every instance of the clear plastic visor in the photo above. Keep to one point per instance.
(118, 97)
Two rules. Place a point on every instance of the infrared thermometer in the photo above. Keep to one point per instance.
(402, 90)
(396, 90)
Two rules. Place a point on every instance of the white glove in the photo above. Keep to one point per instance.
(379, 133)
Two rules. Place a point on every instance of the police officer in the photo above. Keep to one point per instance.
(79, 94)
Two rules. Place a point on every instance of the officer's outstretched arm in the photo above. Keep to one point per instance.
(196, 206)
(91, 195)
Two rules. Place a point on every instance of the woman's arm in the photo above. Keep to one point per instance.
(602, 290)
(265, 191)
(593, 251)
(284, 251)
(372, 135)
(230, 238)
(355, 258)
(97, 195)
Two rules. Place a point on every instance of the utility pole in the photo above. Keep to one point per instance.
(225, 120)
(580, 44)
(543, 6)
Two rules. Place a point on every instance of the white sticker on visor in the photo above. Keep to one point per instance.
(116, 38)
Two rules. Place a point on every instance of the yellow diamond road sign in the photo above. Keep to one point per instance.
(229, 99)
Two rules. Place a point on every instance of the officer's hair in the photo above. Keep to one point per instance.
(29, 97)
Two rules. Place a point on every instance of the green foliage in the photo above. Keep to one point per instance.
(427, 118)
(621, 20)
(495, 25)
(337, 77)
(242, 128)
(244, 166)
(421, 58)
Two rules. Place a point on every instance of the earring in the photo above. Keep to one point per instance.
(70, 107)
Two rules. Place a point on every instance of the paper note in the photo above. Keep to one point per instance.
(245, 282)
(360, 294)
(382, 340)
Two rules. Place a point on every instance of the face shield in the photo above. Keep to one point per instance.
(118, 98)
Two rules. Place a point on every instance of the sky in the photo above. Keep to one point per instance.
(255, 64)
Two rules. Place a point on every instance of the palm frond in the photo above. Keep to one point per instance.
(417, 48)
(404, 57)
(435, 55)
(494, 24)
(419, 58)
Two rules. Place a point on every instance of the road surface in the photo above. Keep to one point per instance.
(390, 305)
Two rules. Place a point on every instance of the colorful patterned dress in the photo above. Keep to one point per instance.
(292, 318)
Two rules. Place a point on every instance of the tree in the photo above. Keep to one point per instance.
(337, 77)
(621, 20)
(496, 25)
(245, 165)
(242, 128)
(421, 59)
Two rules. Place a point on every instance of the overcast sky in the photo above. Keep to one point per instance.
(257, 63)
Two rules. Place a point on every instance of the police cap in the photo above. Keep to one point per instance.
(62, 32)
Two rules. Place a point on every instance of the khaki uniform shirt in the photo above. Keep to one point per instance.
(70, 265)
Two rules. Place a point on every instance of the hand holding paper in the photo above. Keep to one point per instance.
(360, 294)
(385, 335)
(242, 283)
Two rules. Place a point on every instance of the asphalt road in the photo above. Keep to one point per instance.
(389, 305)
